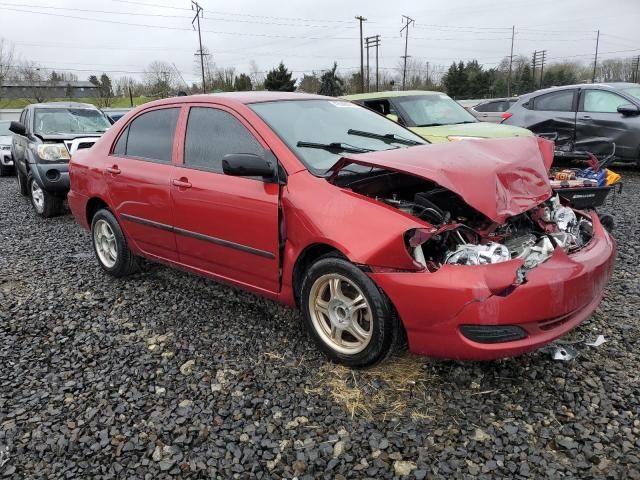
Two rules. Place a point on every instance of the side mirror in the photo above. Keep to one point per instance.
(247, 165)
(393, 117)
(628, 109)
(17, 128)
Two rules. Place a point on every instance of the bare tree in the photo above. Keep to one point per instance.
(160, 79)
(6, 62)
(35, 81)
(257, 77)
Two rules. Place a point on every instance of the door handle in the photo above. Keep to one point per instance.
(585, 117)
(114, 170)
(181, 182)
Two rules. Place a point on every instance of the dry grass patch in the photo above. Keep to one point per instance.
(400, 387)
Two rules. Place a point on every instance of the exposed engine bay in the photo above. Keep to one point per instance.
(463, 236)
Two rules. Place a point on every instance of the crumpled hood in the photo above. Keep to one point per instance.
(440, 133)
(499, 178)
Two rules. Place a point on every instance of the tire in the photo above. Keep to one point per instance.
(44, 203)
(110, 245)
(324, 312)
(5, 170)
(23, 188)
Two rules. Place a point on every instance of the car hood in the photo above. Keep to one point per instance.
(440, 133)
(499, 178)
(5, 139)
(67, 136)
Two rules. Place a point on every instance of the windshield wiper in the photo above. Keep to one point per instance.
(431, 125)
(334, 147)
(386, 137)
(466, 121)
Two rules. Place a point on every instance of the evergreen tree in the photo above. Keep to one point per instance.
(279, 79)
(330, 83)
(242, 83)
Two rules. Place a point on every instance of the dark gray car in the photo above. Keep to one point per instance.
(583, 114)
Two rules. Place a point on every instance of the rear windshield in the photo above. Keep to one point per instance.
(51, 121)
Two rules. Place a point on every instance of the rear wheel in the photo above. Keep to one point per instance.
(45, 204)
(110, 245)
(346, 314)
(22, 183)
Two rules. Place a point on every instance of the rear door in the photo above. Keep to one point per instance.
(598, 117)
(138, 175)
(553, 112)
(226, 226)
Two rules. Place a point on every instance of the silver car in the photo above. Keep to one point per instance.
(491, 110)
(6, 160)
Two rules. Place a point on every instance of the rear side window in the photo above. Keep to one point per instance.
(561, 101)
(487, 107)
(212, 134)
(150, 136)
(599, 101)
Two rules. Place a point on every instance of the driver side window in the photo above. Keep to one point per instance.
(600, 101)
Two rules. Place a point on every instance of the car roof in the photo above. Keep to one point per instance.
(235, 98)
(391, 93)
(63, 105)
(607, 85)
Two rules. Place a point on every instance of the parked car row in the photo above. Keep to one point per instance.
(578, 117)
(378, 237)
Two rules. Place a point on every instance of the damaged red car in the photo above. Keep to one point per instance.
(460, 249)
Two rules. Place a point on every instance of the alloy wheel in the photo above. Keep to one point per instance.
(37, 196)
(341, 314)
(105, 242)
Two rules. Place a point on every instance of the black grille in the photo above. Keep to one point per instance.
(493, 333)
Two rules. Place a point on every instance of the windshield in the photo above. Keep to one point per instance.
(634, 91)
(50, 121)
(4, 129)
(432, 110)
(319, 132)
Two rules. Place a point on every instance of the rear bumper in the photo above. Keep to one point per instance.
(558, 295)
(52, 177)
(78, 206)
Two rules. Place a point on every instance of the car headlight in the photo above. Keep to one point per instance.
(454, 138)
(53, 151)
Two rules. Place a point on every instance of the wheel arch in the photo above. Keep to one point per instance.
(305, 259)
(93, 205)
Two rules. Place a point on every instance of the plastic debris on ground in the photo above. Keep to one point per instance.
(563, 353)
(598, 341)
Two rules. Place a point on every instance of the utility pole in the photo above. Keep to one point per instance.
(533, 66)
(409, 21)
(199, 12)
(595, 60)
(361, 19)
(542, 58)
(130, 94)
(372, 41)
(513, 33)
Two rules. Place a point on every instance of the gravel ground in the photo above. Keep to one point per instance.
(165, 374)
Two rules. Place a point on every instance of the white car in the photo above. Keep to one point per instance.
(6, 160)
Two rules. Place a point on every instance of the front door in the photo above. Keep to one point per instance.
(226, 226)
(598, 118)
(138, 174)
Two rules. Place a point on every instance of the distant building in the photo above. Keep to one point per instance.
(49, 89)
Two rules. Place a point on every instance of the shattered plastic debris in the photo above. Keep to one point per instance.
(563, 353)
(4, 455)
(599, 341)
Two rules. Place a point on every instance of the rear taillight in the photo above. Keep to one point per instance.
(505, 116)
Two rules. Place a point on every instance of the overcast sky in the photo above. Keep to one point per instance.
(121, 37)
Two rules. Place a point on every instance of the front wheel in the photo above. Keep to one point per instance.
(110, 245)
(5, 170)
(45, 204)
(346, 314)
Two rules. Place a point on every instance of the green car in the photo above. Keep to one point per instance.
(433, 115)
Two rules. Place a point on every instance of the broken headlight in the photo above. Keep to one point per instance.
(479, 254)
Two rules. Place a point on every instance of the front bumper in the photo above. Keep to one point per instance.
(52, 177)
(558, 295)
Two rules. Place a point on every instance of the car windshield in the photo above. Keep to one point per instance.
(634, 91)
(4, 128)
(319, 132)
(433, 110)
(50, 121)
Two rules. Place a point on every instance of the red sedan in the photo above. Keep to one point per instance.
(321, 204)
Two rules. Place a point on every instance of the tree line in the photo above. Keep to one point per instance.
(461, 80)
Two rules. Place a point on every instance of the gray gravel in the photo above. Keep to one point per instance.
(165, 374)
